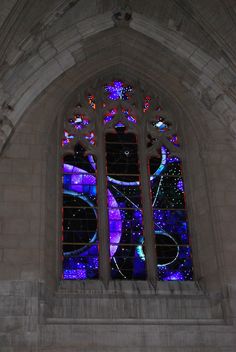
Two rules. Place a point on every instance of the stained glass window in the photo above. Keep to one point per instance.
(126, 230)
(170, 219)
(104, 137)
(80, 236)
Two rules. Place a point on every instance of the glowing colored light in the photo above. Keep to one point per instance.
(109, 115)
(180, 185)
(137, 183)
(119, 124)
(147, 104)
(67, 138)
(126, 224)
(79, 121)
(158, 233)
(174, 276)
(174, 140)
(161, 125)
(128, 115)
(75, 274)
(91, 138)
(118, 91)
(91, 102)
(78, 181)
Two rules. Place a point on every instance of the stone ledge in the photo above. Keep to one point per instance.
(65, 321)
(140, 288)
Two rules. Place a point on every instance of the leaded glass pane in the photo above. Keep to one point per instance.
(170, 219)
(80, 235)
(123, 185)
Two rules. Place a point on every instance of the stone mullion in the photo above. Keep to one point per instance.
(148, 224)
(103, 228)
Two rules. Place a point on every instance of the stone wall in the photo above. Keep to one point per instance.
(180, 51)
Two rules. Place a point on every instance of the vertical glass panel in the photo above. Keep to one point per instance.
(124, 206)
(170, 218)
(80, 237)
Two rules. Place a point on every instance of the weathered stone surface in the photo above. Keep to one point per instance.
(185, 51)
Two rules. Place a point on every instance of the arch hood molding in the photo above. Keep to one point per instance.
(48, 49)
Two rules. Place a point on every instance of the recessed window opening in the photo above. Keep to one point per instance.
(121, 150)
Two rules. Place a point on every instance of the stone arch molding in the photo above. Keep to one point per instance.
(40, 59)
(64, 94)
(172, 110)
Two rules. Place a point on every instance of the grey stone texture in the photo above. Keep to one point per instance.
(184, 52)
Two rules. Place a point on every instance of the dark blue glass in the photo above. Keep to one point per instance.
(80, 238)
(126, 233)
(170, 220)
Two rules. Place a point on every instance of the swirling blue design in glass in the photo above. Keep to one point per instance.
(170, 224)
(170, 217)
(137, 183)
(123, 176)
(80, 247)
(82, 263)
(125, 220)
(170, 220)
(94, 236)
(170, 259)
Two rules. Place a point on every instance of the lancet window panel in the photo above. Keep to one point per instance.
(80, 233)
(124, 212)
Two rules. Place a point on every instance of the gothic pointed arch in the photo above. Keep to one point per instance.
(124, 213)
